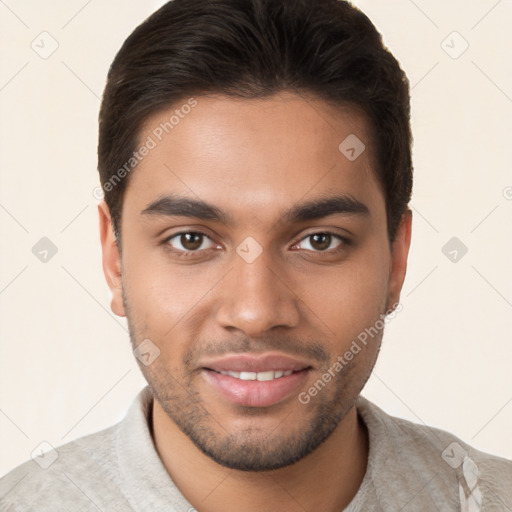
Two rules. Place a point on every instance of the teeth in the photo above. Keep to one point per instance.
(248, 376)
(261, 376)
(265, 376)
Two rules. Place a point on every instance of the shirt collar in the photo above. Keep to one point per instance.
(148, 486)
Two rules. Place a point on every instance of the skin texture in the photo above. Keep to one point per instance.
(304, 297)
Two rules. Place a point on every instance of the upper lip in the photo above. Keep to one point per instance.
(255, 363)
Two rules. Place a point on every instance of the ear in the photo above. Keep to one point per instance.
(399, 254)
(111, 260)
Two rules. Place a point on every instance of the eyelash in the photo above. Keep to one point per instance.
(179, 253)
(185, 254)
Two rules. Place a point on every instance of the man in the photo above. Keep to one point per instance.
(255, 159)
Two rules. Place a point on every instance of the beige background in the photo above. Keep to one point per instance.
(66, 368)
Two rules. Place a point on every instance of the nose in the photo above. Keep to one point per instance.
(256, 297)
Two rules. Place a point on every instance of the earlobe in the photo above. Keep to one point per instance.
(111, 259)
(399, 255)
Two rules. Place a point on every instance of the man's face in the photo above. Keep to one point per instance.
(249, 288)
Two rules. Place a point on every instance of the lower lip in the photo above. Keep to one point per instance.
(255, 393)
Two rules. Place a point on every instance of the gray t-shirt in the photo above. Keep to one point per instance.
(410, 468)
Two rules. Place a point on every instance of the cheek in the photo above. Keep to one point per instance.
(162, 296)
(350, 298)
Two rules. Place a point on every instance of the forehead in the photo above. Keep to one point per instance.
(256, 156)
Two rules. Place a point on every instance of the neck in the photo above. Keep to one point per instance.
(327, 479)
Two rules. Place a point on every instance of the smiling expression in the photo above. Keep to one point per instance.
(253, 253)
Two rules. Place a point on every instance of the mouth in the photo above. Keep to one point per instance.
(260, 376)
(256, 380)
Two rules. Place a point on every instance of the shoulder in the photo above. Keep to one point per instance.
(454, 465)
(77, 472)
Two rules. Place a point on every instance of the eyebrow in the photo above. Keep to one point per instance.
(181, 206)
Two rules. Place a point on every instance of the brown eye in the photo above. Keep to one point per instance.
(188, 241)
(321, 242)
(191, 241)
